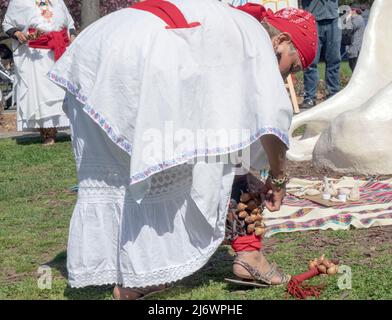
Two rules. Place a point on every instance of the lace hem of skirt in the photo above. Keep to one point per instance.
(131, 280)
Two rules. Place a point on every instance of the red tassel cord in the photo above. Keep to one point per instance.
(301, 291)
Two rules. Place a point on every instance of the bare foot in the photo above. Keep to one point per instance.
(256, 260)
(48, 136)
(120, 293)
(49, 142)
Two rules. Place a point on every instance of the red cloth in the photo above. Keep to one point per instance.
(56, 41)
(300, 24)
(167, 11)
(246, 243)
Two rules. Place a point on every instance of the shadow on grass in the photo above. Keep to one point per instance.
(88, 293)
(217, 269)
(32, 139)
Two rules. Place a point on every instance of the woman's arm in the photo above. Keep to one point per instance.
(276, 153)
(10, 24)
(11, 33)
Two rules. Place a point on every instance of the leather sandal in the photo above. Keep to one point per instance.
(260, 280)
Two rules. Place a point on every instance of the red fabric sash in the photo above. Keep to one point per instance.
(247, 243)
(56, 41)
(167, 11)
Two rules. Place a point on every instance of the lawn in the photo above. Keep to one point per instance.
(36, 204)
(345, 72)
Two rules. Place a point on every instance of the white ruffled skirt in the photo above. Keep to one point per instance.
(39, 101)
(115, 240)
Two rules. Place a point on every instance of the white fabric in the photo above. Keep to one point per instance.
(38, 99)
(59, 122)
(135, 78)
(143, 220)
(113, 239)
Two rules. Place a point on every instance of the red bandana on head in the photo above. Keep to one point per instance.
(300, 24)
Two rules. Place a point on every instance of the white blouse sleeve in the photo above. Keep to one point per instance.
(69, 19)
(10, 21)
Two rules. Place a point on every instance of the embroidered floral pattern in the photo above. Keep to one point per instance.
(45, 6)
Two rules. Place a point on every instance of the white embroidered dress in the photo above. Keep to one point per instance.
(39, 101)
(146, 214)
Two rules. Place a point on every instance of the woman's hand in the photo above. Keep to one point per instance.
(276, 152)
(72, 38)
(22, 38)
(274, 197)
(271, 196)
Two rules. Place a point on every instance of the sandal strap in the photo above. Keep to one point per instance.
(265, 277)
(256, 274)
(284, 278)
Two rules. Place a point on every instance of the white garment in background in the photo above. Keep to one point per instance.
(138, 222)
(39, 101)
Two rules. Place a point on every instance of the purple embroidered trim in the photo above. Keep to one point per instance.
(184, 158)
(94, 115)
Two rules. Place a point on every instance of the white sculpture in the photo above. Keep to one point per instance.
(350, 138)
(359, 140)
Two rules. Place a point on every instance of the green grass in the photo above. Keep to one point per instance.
(36, 206)
(345, 71)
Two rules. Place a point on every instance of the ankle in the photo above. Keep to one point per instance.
(249, 255)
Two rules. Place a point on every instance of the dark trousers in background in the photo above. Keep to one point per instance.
(330, 38)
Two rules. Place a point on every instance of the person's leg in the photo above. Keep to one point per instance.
(248, 247)
(48, 136)
(256, 260)
(311, 74)
(333, 56)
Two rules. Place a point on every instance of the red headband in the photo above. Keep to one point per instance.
(300, 24)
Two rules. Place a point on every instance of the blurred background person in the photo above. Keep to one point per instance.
(326, 13)
(41, 29)
(355, 33)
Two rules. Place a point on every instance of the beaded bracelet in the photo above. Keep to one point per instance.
(279, 183)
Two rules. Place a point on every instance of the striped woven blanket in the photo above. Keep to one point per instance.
(374, 209)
